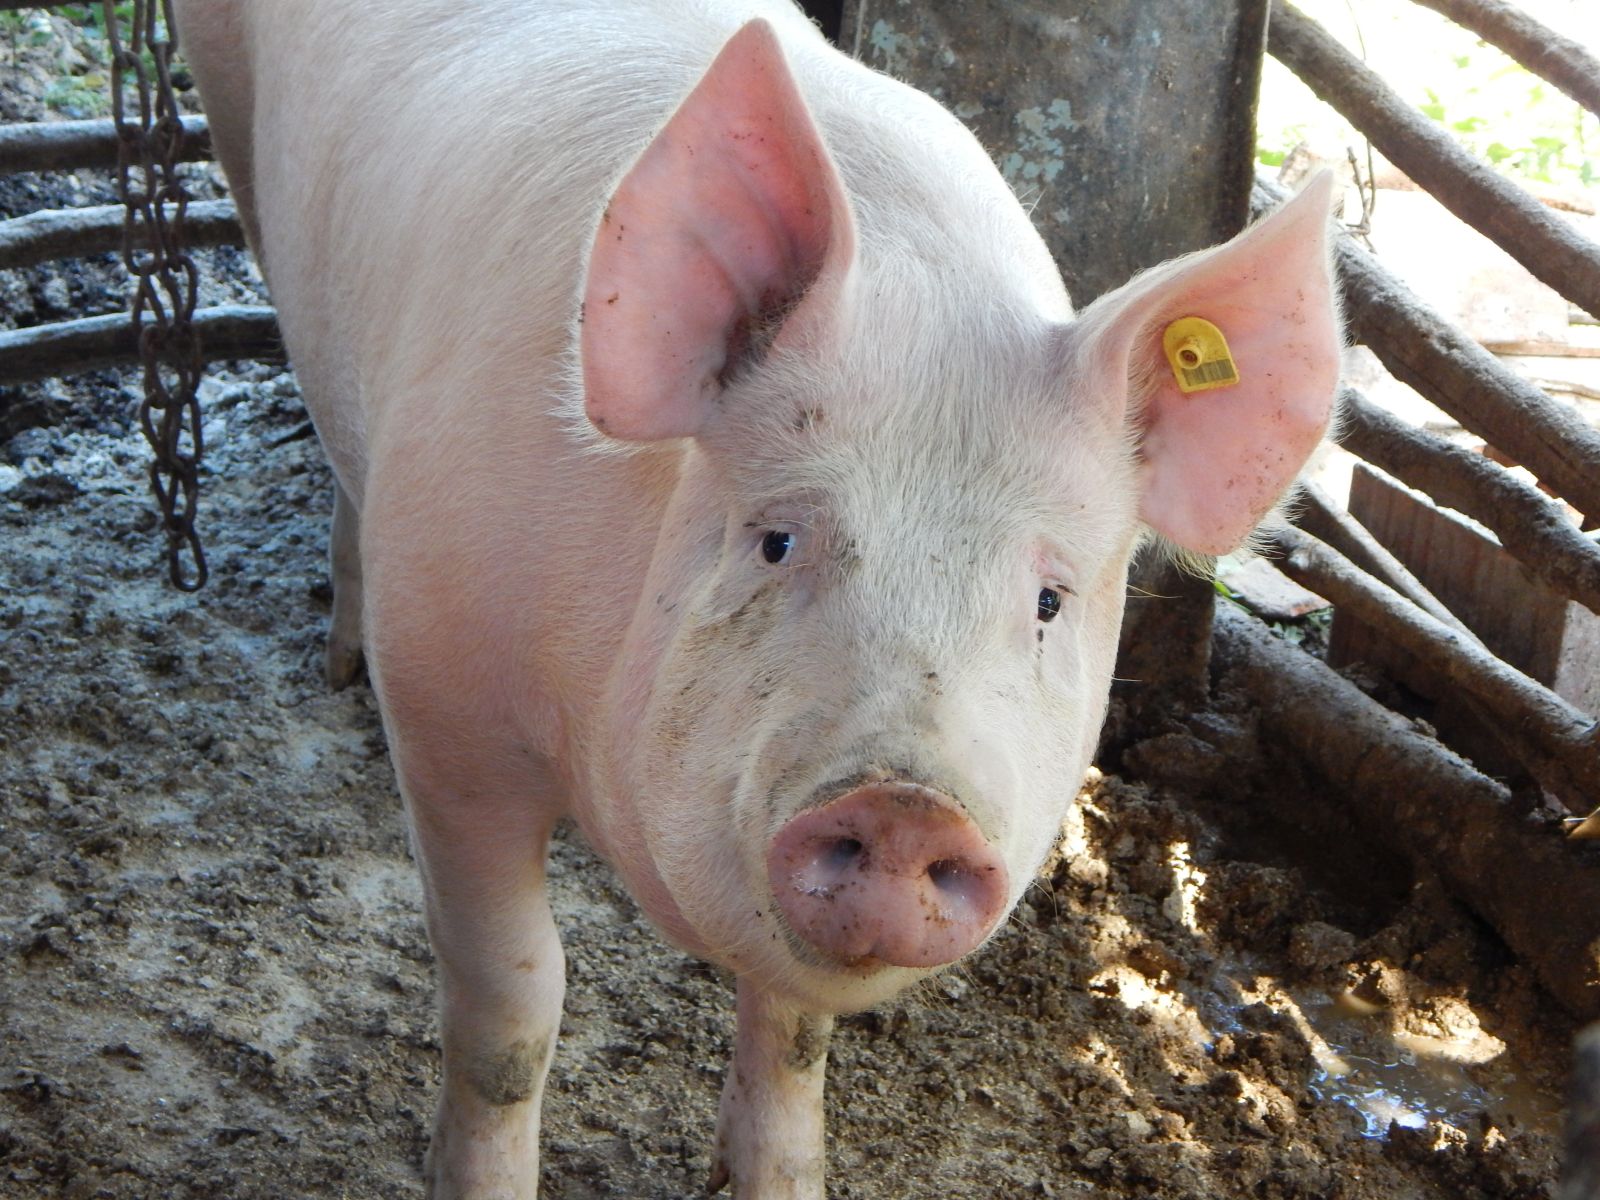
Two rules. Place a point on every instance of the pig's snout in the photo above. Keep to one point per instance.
(891, 872)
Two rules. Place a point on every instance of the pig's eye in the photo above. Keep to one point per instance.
(777, 545)
(1049, 604)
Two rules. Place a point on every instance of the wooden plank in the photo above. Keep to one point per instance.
(1541, 349)
(1531, 627)
(1536, 529)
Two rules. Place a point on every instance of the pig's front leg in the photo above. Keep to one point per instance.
(481, 844)
(769, 1129)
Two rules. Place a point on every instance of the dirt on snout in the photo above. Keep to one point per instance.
(214, 979)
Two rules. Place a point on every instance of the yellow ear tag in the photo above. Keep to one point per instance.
(1199, 355)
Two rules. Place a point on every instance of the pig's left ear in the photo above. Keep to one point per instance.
(717, 242)
(1217, 457)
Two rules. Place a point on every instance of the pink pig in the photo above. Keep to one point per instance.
(721, 465)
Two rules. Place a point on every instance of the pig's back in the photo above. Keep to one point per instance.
(427, 185)
(442, 169)
(445, 166)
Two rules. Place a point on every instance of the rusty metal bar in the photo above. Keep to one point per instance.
(90, 343)
(1563, 742)
(1548, 54)
(76, 232)
(1549, 247)
(70, 145)
(1531, 527)
(1414, 794)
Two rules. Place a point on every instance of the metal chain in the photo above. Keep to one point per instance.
(165, 279)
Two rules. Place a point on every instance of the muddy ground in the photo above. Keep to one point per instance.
(214, 980)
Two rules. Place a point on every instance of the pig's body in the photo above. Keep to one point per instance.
(559, 625)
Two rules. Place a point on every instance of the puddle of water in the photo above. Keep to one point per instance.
(1414, 1081)
(1387, 1076)
(1401, 1089)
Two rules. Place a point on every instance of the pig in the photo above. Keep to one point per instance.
(721, 466)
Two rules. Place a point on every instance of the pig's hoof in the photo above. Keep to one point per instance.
(342, 664)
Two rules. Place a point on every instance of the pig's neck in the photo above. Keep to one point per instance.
(632, 631)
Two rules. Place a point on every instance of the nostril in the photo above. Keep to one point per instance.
(946, 873)
(959, 883)
(842, 853)
(828, 863)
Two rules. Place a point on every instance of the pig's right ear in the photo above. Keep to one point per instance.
(731, 217)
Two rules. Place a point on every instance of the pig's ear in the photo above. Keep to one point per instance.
(1216, 460)
(730, 217)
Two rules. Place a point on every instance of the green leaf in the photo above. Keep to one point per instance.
(1498, 152)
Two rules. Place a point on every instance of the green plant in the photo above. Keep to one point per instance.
(92, 16)
(1494, 107)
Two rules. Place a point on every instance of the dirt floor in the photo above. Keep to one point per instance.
(214, 980)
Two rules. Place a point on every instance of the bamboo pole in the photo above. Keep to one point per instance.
(1548, 246)
(90, 343)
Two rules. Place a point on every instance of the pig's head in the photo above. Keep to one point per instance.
(872, 655)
